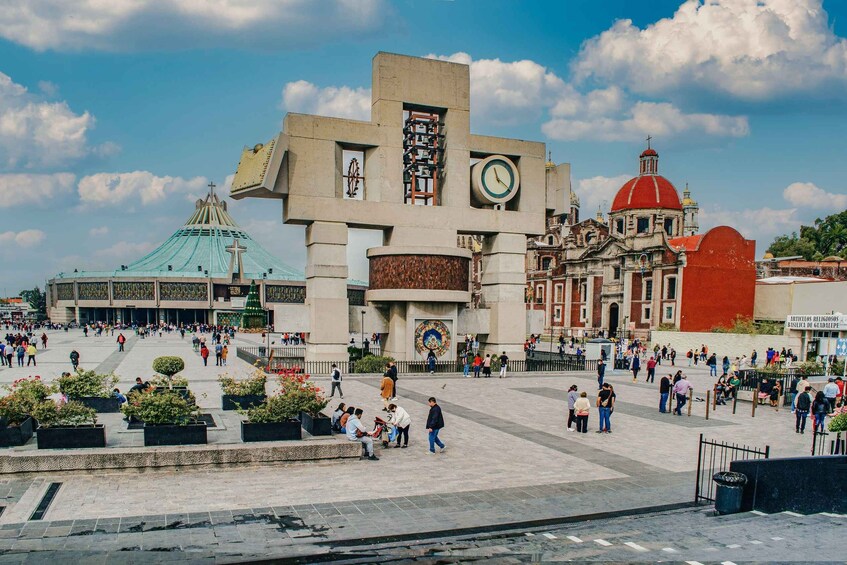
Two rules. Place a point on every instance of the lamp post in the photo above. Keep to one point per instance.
(363, 333)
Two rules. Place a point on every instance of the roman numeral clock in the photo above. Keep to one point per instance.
(494, 180)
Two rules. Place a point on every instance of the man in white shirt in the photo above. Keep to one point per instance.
(357, 432)
(830, 391)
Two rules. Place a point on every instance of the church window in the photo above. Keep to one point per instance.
(648, 289)
(583, 314)
(616, 273)
(589, 236)
(668, 317)
(643, 225)
(583, 292)
(619, 225)
(539, 294)
(549, 240)
(646, 314)
(545, 263)
(557, 314)
(558, 291)
(669, 226)
(353, 174)
(670, 288)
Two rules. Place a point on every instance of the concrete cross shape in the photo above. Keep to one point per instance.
(235, 250)
(211, 186)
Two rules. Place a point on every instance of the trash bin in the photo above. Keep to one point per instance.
(730, 487)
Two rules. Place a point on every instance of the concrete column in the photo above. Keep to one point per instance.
(677, 309)
(326, 291)
(589, 302)
(503, 283)
(624, 315)
(396, 341)
(548, 303)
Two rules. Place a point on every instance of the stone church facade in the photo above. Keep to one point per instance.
(643, 267)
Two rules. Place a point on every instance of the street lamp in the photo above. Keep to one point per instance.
(363, 334)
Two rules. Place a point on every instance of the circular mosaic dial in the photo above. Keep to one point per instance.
(432, 334)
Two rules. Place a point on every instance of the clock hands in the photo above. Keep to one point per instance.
(496, 176)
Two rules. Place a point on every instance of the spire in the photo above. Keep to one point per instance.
(649, 160)
(600, 215)
(550, 163)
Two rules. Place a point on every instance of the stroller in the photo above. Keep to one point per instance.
(383, 430)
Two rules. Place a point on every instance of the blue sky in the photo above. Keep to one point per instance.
(113, 119)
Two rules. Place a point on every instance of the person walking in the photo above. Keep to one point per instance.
(802, 405)
(573, 395)
(434, 425)
(121, 341)
(224, 353)
(204, 353)
(651, 370)
(601, 373)
(386, 390)
(680, 389)
(392, 372)
(820, 409)
(43, 340)
(402, 422)
(466, 366)
(430, 361)
(504, 363)
(335, 380)
(218, 353)
(582, 408)
(636, 366)
(486, 366)
(712, 363)
(21, 351)
(664, 392)
(830, 391)
(605, 405)
(30, 352)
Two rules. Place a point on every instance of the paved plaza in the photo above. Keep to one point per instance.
(509, 459)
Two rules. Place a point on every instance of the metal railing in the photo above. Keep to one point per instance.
(837, 446)
(714, 457)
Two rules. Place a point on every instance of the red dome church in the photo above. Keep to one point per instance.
(644, 267)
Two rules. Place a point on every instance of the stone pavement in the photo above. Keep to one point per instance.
(509, 459)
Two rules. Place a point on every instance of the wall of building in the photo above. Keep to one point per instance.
(777, 301)
(719, 281)
(731, 345)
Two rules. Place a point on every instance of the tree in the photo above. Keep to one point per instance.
(822, 239)
(254, 316)
(37, 300)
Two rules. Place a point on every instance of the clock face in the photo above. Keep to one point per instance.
(494, 180)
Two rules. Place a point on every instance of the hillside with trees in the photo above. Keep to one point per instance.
(825, 238)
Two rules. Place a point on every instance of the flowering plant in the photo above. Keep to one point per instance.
(306, 396)
(87, 383)
(50, 414)
(165, 407)
(24, 394)
(253, 385)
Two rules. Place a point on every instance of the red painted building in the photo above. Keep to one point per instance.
(643, 267)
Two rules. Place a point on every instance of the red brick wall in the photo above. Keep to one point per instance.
(719, 281)
(597, 307)
(636, 302)
(576, 302)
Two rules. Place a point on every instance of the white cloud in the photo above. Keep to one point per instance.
(761, 224)
(808, 195)
(102, 230)
(340, 102)
(130, 25)
(33, 189)
(104, 189)
(598, 191)
(35, 133)
(660, 119)
(25, 238)
(752, 49)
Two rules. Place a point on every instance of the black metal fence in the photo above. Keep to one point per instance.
(821, 444)
(750, 379)
(714, 457)
(255, 356)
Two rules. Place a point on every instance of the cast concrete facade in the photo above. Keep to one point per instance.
(305, 166)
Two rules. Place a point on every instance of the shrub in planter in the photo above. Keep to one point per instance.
(93, 390)
(68, 425)
(371, 364)
(16, 425)
(169, 366)
(29, 392)
(274, 419)
(309, 401)
(838, 423)
(245, 393)
(169, 419)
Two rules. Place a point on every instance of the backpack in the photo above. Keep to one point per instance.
(336, 375)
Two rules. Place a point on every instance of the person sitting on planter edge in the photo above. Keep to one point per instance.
(336, 417)
(357, 432)
(139, 386)
(117, 394)
(342, 421)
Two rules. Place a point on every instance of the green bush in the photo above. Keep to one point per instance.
(252, 385)
(169, 382)
(49, 414)
(807, 368)
(277, 408)
(164, 407)
(168, 365)
(371, 364)
(838, 423)
(24, 395)
(87, 383)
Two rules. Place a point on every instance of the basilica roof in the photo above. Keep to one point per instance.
(209, 244)
(649, 189)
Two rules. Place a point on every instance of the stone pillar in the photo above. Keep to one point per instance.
(326, 291)
(396, 341)
(503, 283)
(625, 316)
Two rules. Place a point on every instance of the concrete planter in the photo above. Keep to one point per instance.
(11, 436)
(271, 431)
(172, 434)
(319, 425)
(232, 401)
(180, 390)
(101, 404)
(71, 437)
